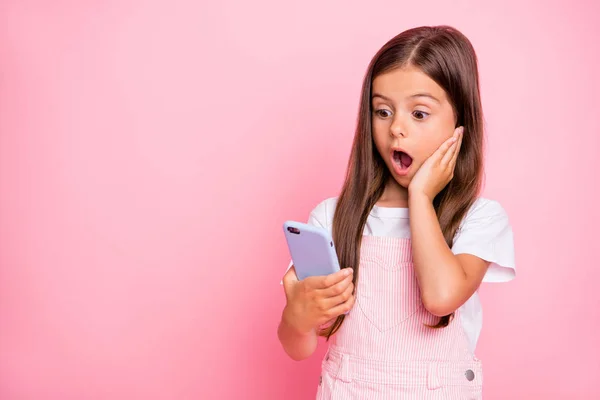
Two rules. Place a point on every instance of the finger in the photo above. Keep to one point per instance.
(331, 279)
(447, 158)
(449, 155)
(340, 298)
(443, 149)
(342, 308)
(290, 277)
(457, 149)
(336, 289)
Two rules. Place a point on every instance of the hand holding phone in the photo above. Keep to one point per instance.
(316, 289)
(316, 300)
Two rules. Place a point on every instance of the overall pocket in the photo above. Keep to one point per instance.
(325, 388)
(388, 294)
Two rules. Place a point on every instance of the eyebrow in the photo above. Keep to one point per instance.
(381, 97)
(427, 95)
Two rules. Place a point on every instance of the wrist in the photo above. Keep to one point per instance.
(418, 196)
(289, 321)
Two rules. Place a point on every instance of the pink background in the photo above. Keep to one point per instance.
(150, 151)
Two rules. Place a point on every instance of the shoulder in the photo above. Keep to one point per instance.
(485, 218)
(322, 213)
(485, 225)
(485, 210)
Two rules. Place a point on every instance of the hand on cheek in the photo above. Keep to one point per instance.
(437, 170)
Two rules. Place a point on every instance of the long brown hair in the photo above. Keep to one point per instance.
(447, 57)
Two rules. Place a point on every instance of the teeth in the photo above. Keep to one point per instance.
(398, 159)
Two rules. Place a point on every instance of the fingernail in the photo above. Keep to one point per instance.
(346, 272)
(462, 129)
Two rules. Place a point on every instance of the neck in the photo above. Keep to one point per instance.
(394, 195)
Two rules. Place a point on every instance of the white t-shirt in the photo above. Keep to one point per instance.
(485, 232)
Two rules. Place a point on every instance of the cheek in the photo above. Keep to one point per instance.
(422, 154)
(380, 136)
(379, 127)
(435, 135)
(444, 129)
(428, 144)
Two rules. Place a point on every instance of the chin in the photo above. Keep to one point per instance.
(402, 181)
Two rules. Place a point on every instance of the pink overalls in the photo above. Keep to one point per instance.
(384, 350)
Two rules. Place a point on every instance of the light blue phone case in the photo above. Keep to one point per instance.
(311, 248)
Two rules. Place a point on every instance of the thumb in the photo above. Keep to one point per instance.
(290, 278)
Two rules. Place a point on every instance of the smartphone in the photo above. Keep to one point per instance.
(311, 248)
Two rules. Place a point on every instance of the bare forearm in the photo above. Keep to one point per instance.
(440, 274)
(297, 345)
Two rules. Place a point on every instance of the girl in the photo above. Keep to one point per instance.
(415, 239)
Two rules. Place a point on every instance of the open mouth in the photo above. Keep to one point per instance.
(402, 160)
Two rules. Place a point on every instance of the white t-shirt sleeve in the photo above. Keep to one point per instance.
(486, 232)
(317, 217)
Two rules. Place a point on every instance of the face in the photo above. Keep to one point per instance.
(411, 118)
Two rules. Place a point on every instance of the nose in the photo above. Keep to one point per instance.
(397, 129)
